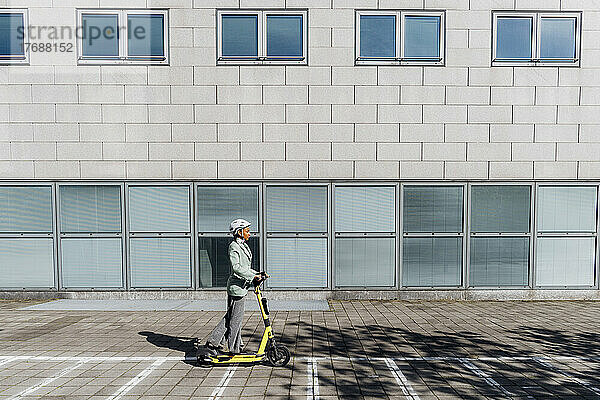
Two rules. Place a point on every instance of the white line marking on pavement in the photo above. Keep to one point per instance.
(218, 392)
(133, 382)
(47, 381)
(406, 387)
(312, 389)
(485, 376)
(7, 360)
(541, 361)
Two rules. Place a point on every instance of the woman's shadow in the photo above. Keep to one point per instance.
(186, 345)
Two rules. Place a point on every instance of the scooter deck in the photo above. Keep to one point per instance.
(238, 358)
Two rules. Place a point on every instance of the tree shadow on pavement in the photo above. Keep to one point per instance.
(450, 377)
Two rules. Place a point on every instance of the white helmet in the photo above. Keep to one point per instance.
(238, 224)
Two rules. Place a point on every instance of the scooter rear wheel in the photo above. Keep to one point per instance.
(278, 356)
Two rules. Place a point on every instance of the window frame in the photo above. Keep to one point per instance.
(255, 231)
(463, 235)
(538, 234)
(474, 234)
(400, 59)
(262, 58)
(37, 235)
(299, 235)
(188, 234)
(338, 234)
(91, 235)
(536, 17)
(123, 44)
(12, 59)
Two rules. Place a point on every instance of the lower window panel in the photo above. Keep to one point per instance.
(26, 263)
(215, 267)
(365, 261)
(565, 261)
(92, 263)
(432, 261)
(160, 262)
(297, 262)
(500, 261)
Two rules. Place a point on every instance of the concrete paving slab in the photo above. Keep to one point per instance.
(172, 305)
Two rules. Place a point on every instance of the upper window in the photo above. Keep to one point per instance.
(13, 34)
(262, 37)
(123, 37)
(536, 38)
(400, 37)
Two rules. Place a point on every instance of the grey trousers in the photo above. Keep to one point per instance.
(230, 326)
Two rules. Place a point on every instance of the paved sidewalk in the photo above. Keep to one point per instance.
(358, 349)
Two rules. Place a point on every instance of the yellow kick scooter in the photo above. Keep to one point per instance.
(277, 354)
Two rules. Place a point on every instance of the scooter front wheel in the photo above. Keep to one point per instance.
(278, 356)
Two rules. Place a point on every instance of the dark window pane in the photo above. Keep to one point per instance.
(11, 34)
(422, 37)
(284, 36)
(557, 38)
(431, 261)
(433, 209)
(146, 35)
(239, 36)
(214, 262)
(100, 36)
(500, 209)
(513, 38)
(377, 36)
(499, 261)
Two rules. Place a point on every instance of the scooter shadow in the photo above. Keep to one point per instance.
(185, 345)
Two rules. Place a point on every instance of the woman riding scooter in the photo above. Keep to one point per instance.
(230, 326)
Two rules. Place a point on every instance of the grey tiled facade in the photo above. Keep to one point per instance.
(330, 119)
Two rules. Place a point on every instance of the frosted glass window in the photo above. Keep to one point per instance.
(378, 36)
(90, 208)
(557, 38)
(219, 205)
(100, 35)
(26, 263)
(500, 208)
(239, 35)
(146, 36)
(160, 262)
(365, 209)
(567, 209)
(565, 261)
(430, 209)
(284, 36)
(215, 266)
(513, 38)
(159, 209)
(431, 262)
(298, 262)
(25, 209)
(365, 261)
(12, 38)
(92, 263)
(297, 209)
(499, 261)
(422, 36)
